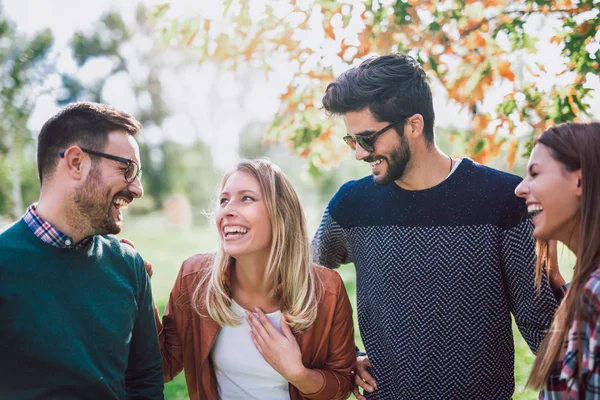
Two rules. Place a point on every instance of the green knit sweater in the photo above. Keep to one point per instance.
(75, 324)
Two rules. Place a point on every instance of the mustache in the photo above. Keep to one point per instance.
(126, 194)
(371, 159)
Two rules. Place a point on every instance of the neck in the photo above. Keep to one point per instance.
(249, 286)
(428, 167)
(58, 211)
(572, 240)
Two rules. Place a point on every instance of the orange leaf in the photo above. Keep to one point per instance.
(574, 107)
(329, 30)
(191, 39)
(556, 39)
(506, 72)
(305, 152)
(512, 154)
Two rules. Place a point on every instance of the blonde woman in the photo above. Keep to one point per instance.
(257, 320)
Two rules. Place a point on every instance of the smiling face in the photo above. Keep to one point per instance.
(243, 219)
(391, 153)
(106, 191)
(553, 196)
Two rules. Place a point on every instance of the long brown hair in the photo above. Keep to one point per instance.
(576, 146)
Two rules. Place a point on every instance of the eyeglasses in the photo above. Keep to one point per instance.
(367, 142)
(132, 170)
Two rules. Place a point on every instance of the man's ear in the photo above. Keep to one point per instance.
(75, 160)
(416, 125)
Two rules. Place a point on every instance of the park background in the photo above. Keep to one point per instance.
(217, 81)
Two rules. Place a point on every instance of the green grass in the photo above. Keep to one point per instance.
(166, 248)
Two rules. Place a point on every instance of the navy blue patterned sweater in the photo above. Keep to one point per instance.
(439, 273)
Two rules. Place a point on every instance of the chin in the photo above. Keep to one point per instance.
(112, 228)
(540, 234)
(382, 179)
(233, 252)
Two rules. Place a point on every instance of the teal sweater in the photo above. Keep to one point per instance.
(75, 324)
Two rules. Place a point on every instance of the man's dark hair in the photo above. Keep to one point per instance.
(84, 124)
(392, 86)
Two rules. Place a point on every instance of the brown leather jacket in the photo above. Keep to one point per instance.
(327, 345)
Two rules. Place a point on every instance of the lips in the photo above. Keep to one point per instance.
(234, 231)
(534, 209)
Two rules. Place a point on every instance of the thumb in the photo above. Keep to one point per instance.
(285, 329)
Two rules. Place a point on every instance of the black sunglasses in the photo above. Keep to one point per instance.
(132, 170)
(367, 142)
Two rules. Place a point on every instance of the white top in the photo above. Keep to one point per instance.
(242, 373)
(454, 166)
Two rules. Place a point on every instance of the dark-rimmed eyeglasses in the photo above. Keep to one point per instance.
(132, 170)
(367, 142)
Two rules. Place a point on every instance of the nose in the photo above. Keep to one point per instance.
(136, 188)
(228, 209)
(360, 153)
(522, 189)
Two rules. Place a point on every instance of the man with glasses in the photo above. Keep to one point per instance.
(75, 304)
(443, 251)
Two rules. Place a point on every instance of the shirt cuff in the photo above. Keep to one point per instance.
(561, 292)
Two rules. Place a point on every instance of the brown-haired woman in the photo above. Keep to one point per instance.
(562, 191)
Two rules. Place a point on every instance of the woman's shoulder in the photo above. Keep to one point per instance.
(194, 269)
(330, 280)
(592, 292)
(197, 263)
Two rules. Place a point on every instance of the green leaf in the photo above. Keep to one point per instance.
(226, 5)
(507, 107)
(157, 12)
(479, 146)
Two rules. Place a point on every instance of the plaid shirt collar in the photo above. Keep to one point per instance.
(48, 233)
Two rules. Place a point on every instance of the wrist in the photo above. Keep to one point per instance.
(298, 376)
(557, 283)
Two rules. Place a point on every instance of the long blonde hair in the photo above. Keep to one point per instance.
(576, 146)
(289, 263)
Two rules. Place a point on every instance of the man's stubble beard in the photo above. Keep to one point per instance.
(93, 206)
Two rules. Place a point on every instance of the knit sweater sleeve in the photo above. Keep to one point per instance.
(331, 246)
(533, 312)
(144, 375)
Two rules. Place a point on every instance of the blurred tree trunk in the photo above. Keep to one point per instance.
(24, 66)
(15, 173)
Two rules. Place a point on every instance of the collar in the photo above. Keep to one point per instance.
(48, 233)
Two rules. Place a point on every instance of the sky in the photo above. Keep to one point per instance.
(217, 118)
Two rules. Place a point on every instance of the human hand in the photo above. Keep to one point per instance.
(147, 264)
(363, 378)
(280, 351)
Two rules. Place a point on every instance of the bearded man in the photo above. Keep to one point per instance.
(443, 249)
(76, 313)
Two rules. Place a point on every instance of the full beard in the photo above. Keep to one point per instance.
(93, 207)
(396, 164)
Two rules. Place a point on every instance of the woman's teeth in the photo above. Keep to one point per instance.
(234, 230)
(534, 209)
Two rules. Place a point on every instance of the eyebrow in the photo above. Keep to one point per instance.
(242, 191)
